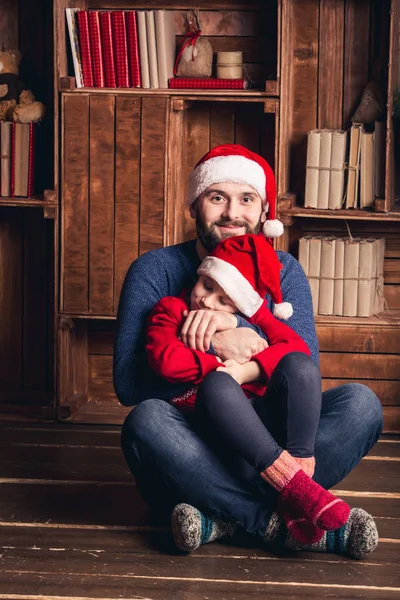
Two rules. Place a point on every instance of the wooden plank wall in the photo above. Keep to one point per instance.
(104, 226)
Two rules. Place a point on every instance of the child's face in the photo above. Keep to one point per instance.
(208, 295)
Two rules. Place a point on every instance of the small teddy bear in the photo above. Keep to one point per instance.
(16, 102)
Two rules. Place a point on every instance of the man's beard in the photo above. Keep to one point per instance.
(208, 236)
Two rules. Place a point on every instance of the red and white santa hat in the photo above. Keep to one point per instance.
(236, 164)
(247, 268)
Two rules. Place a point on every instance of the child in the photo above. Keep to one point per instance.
(235, 277)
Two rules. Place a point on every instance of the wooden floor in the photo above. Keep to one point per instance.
(72, 526)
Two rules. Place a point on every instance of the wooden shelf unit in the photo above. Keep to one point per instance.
(346, 214)
(126, 192)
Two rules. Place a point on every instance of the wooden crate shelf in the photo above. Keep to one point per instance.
(346, 214)
(249, 93)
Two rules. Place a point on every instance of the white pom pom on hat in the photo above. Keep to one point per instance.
(236, 164)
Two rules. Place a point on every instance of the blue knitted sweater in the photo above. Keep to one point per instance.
(166, 272)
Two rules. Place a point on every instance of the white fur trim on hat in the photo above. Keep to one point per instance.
(272, 228)
(284, 310)
(234, 284)
(233, 168)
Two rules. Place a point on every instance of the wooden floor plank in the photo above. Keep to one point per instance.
(61, 435)
(373, 476)
(152, 539)
(28, 586)
(80, 504)
(125, 566)
(65, 462)
(112, 504)
(107, 464)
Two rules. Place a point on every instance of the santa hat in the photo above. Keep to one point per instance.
(247, 268)
(237, 164)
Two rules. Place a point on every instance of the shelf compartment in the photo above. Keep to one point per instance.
(86, 392)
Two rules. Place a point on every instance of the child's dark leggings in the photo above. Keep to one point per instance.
(286, 417)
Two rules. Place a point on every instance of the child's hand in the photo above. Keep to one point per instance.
(235, 370)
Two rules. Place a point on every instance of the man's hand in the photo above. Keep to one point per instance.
(239, 344)
(200, 326)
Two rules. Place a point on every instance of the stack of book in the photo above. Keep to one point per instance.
(345, 175)
(17, 142)
(345, 274)
(122, 48)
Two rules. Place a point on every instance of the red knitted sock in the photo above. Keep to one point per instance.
(304, 495)
(300, 528)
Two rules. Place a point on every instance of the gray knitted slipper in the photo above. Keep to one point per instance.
(357, 538)
(191, 529)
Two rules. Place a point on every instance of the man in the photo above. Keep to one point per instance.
(231, 192)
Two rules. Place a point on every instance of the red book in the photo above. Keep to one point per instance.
(207, 83)
(133, 48)
(32, 157)
(84, 45)
(120, 47)
(95, 47)
(12, 177)
(108, 50)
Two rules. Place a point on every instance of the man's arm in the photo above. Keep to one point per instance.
(296, 290)
(145, 284)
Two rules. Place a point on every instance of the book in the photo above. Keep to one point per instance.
(350, 282)
(327, 274)
(380, 259)
(143, 53)
(304, 252)
(379, 158)
(20, 158)
(110, 77)
(353, 168)
(367, 170)
(339, 274)
(152, 48)
(96, 49)
(120, 44)
(31, 158)
(70, 14)
(165, 36)
(338, 160)
(84, 45)
(324, 174)
(312, 175)
(314, 266)
(133, 48)
(207, 83)
(5, 136)
(366, 278)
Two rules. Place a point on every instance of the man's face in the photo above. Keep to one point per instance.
(227, 209)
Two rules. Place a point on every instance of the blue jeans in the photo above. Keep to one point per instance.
(172, 462)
